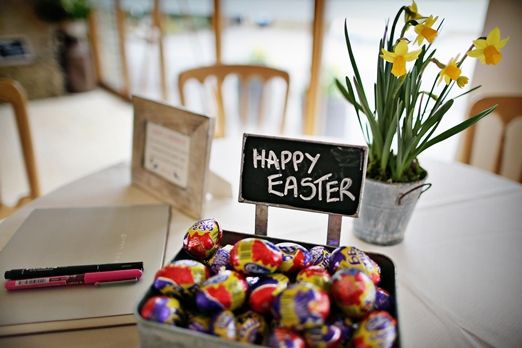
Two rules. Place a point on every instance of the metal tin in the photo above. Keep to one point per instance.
(156, 335)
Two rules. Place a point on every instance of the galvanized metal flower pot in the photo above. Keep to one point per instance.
(386, 209)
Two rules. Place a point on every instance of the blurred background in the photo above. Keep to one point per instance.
(80, 61)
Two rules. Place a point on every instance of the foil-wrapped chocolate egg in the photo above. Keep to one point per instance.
(251, 327)
(264, 290)
(324, 336)
(383, 300)
(226, 290)
(283, 337)
(320, 256)
(203, 238)
(224, 325)
(316, 275)
(347, 327)
(301, 306)
(352, 257)
(255, 256)
(353, 292)
(220, 260)
(180, 278)
(378, 329)
(295, 257)
(199, 323)
(163, 309)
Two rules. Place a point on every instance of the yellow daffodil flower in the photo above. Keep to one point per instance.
(425, 31)
(411, 12)
(451, 72)
(399, 57)
(488, 50)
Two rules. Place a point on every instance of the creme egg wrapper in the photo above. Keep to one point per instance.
(220, 260)
(264, 290)
(352, 257)
(199, 323)
(295, 257)
(224, 325)
(353, 292)
(251, 327)
(226, 290)
(320, 256)
(203, 238)
(163, 309)
(378, 329)
(301, 306)
(180, 278)
(383, 300)
(283, 337)
(316, 275)
(255, 256)
(325, 336)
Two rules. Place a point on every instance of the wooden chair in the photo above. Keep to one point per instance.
(245, 74)
(13, 93)
(508, 109)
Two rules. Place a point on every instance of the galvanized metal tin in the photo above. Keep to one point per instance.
(386, 210)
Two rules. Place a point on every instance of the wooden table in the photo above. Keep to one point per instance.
(458, 279)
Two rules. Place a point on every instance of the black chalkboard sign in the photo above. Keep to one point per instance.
(301, 174)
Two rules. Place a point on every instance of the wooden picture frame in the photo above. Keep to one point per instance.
(170, 154)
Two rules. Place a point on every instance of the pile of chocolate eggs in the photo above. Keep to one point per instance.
(279, 295)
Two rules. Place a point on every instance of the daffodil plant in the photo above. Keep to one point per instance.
(405, 116)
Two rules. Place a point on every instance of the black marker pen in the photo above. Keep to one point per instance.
(25, 273)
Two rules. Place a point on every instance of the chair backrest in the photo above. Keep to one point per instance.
(13, 93)
(245, 74)
(508, 108)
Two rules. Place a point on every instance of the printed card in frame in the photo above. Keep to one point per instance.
(170, 154)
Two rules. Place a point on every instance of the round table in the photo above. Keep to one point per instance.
(457, 278)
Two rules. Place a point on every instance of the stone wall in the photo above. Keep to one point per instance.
(42, 77)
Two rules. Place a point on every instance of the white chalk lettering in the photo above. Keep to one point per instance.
(291, 184)
(320, 186)
(257, 157)
(297, 158)
(271, 184)
(272, 160)
(308, 182)
(330, 190)
(313, 160)
(286, 157)
(345, 184)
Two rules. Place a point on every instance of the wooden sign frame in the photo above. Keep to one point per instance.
(196, 132)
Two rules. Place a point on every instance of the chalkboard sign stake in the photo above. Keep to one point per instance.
(333, 236)
(261, 219)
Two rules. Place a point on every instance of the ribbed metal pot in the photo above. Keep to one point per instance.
(386, 209)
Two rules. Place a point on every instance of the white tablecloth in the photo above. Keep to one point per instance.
(458, 279)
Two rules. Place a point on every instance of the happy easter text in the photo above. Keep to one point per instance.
(306, 188)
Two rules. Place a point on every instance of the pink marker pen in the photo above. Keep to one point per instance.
(92, 278)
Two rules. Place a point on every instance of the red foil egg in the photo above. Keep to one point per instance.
(316, 275)
(379, 329)
(353, 292)
(295, 257)
(254, 256)
(265, 290)
(283, 337)
(181, 278)
(203, 238)
(352, 257)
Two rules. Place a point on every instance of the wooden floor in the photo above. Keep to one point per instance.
(73, 136)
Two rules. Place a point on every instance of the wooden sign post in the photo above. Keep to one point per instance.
(304, 175)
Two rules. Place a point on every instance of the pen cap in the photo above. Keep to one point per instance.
(110, 276)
